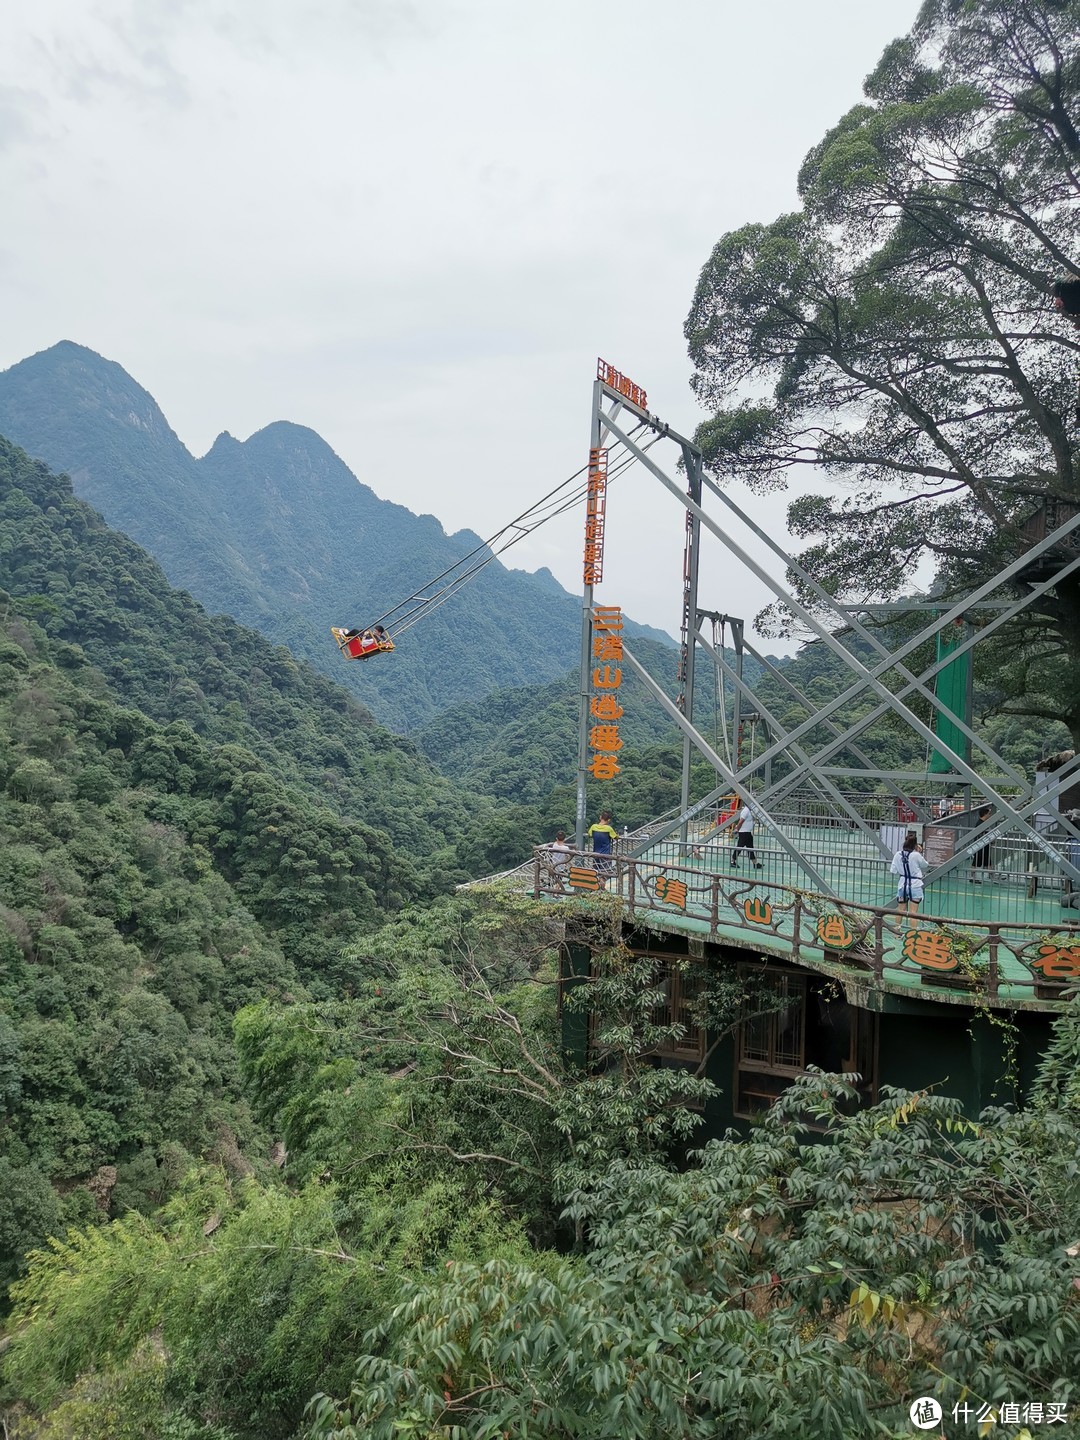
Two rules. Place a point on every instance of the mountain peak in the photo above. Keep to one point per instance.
(294, 443)
(85, 381)
(66, 356)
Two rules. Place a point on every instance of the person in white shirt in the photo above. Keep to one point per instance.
(910, 867)
(559, 853)
(744, 840)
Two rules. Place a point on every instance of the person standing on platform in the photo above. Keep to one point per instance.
(910, 867)
(602, 837)
(744, 839)
(559, 853)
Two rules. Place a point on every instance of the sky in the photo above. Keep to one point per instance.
(414, 225)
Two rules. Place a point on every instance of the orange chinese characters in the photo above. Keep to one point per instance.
(620, 382)
(833, 931)
(671, 891)
(605, 707)
(758, 912)
(607, 647)
(583, 878)
(930, 949)
(594, 521)
(605, 738)
(1058, 962)
(603, 767)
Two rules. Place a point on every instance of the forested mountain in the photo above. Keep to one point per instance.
(131, 871)
(161, 653)
(518, 744)
(190, 820)
(278, 532)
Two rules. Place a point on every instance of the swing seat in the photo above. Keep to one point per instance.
(359, 647)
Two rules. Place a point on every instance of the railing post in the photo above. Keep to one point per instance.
(796, 917)
(631, 884)
(536, 877)
(714, 904)
(879, 944)
(992, 963)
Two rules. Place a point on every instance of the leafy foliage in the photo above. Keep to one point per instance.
(780, 1288)
(162, 866)
(897, 331)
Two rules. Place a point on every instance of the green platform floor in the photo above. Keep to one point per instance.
(855, 870)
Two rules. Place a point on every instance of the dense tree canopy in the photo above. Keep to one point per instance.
(779, 1288)
(896, 337)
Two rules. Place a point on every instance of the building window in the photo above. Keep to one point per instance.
(681, 987)
(803, 1020)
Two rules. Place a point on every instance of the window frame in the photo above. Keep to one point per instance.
(862, 1045)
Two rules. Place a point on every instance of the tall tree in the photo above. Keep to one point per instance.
(897, 337)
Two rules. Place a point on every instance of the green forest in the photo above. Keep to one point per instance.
(277, 532)
(292, 1144)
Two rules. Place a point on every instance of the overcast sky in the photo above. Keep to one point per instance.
(414, 226)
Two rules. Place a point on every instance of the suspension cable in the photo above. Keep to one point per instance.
(414, 607)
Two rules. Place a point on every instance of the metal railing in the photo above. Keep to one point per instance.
(853, 864)
(999, 960)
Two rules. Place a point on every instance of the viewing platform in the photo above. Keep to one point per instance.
(1004, 932)
(836, 761)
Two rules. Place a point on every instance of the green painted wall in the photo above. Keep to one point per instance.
(981, 1060)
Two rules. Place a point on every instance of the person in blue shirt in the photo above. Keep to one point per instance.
(602, 835)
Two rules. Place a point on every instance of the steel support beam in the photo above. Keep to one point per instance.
(699, 741)
(828, 790)
(691, 565)
(793, 689)
(870, 678)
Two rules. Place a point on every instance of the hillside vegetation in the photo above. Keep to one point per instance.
(190, 820)
(279, 533)
(518, 744)
(161, 654)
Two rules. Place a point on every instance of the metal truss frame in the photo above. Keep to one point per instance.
(812, 762)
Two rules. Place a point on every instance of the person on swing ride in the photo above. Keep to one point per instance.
(357, 643)
(376, 634)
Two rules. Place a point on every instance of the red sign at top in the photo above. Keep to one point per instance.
(618, 381)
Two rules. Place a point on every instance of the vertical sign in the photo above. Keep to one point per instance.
(604, 707)
(938, 843)
(594, 517)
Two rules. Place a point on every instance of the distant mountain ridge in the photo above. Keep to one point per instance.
(520, 744)
(279, 533)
